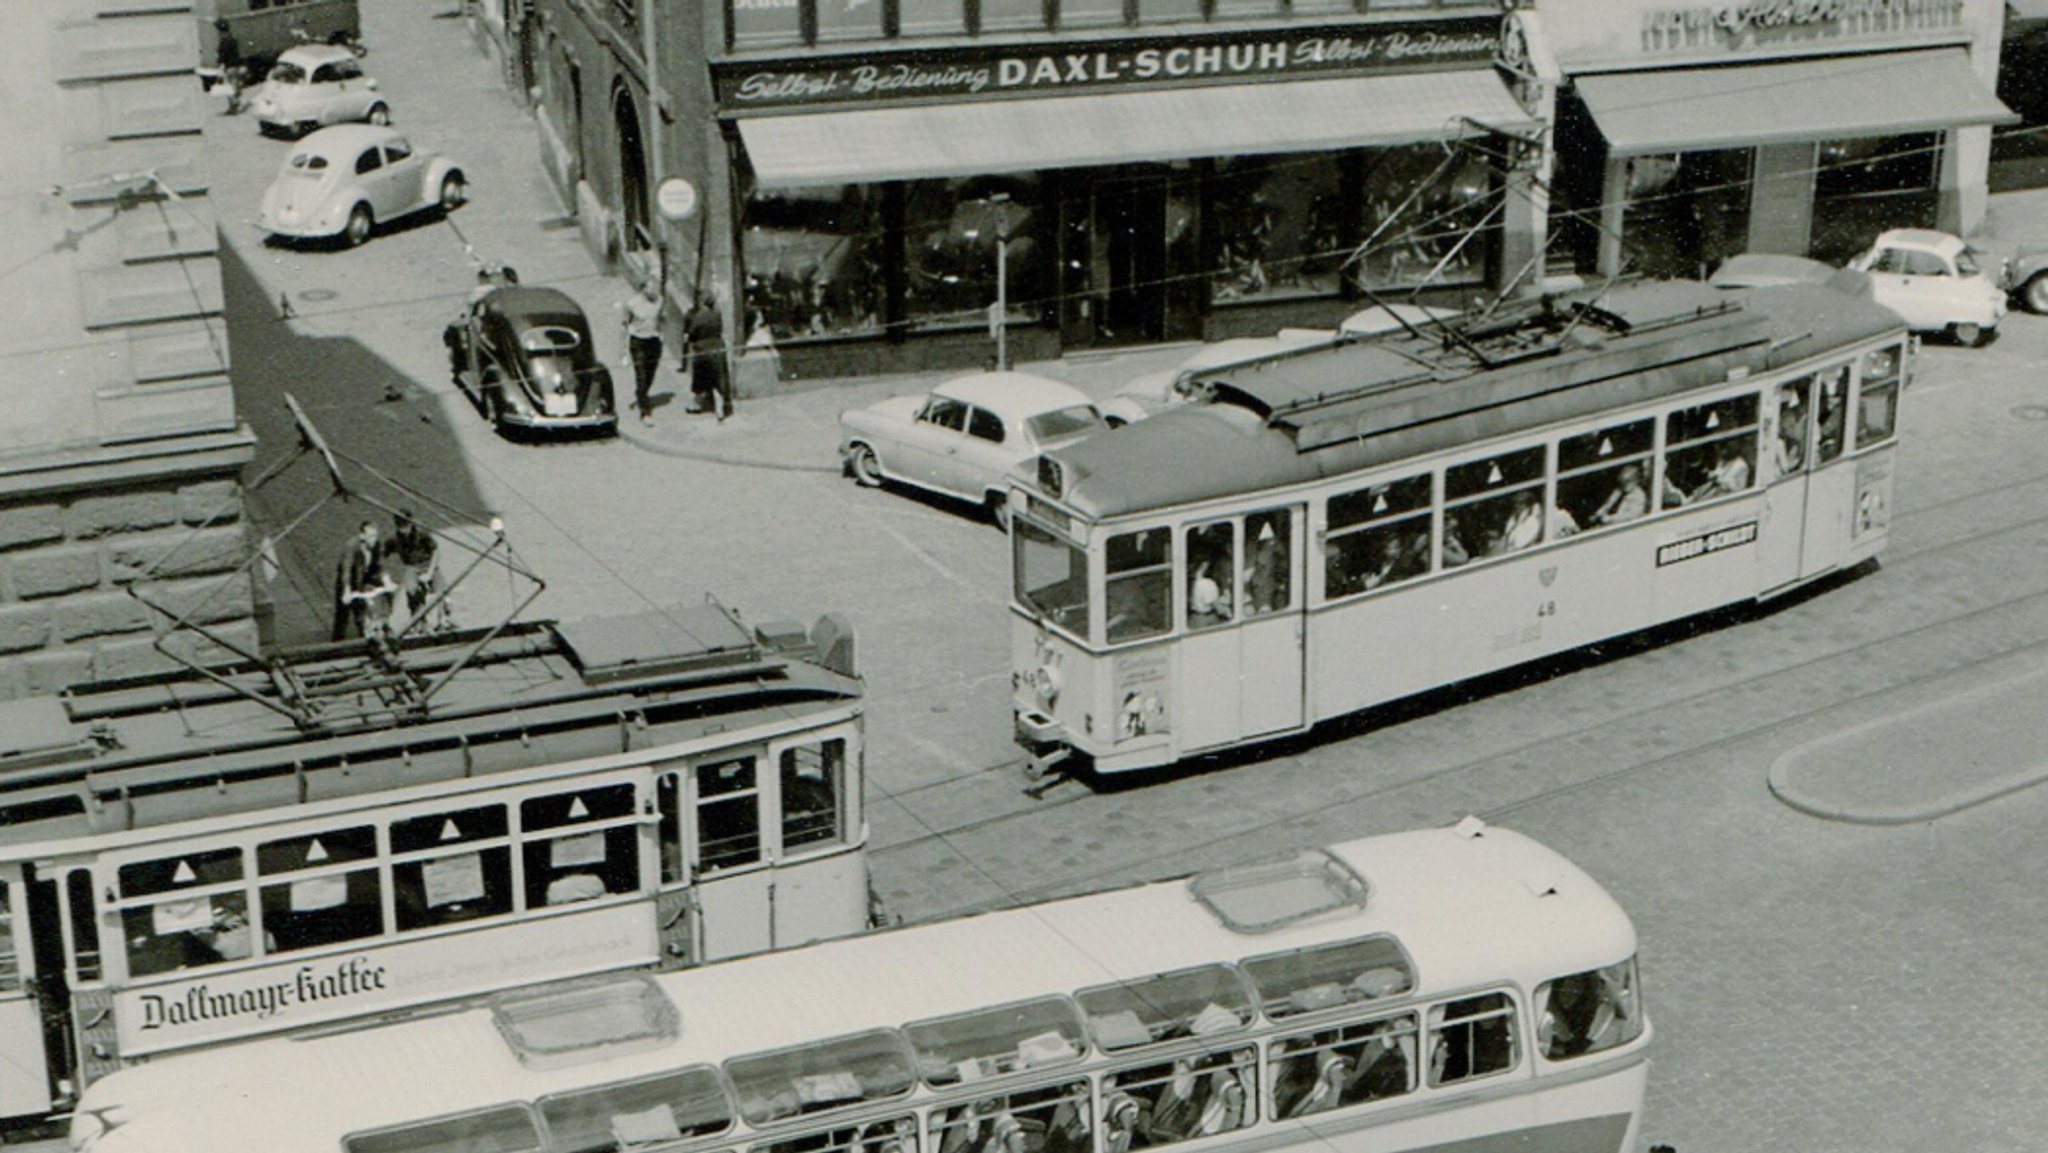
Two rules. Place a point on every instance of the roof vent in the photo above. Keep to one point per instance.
(1260, 896)
(550, 1026)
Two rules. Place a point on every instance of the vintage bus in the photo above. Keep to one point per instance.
(1457, 988)
(196, 859)
(1346, 524)
(264, 28)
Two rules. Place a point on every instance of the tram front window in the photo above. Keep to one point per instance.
(1051, 576)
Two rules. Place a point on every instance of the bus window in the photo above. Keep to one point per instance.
(1494, 505)
(1269, 567)
(1051, 576)
(1347, 1065)
(889, 1135)
(502, 1129)
(1588, 1012)
(1787, 448)
(186, 928)
(1054, 1119)
(1306, 980)
(1179, 1100)
(317, 898)
(629, 1114)
(1138, 597)
(813, 784)
(831, 1074)
(1376, 536)
(1877, 400)
(1709, 450)
(728, 814)
(1168, 1007)
(990, 1042)
(580, 862)
(1474, 1037)
(449, 876)
(1211, 573)
(1603, 476)
(85, 924)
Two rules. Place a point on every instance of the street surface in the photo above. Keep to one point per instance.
(1817, 984)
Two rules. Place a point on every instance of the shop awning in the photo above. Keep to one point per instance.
(1688, 109)
(1019, 135)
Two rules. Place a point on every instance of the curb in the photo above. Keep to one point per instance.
(631, 432)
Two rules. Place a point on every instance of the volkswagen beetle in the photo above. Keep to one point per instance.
(524, 357)
(345, 180)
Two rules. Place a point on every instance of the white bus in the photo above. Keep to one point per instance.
(1459, 988)
(196, 859)
(1347, 524)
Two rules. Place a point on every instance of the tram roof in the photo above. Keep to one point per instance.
(1472, 906)
(1329, 409)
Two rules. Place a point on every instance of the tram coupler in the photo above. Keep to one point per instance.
(1039, 736)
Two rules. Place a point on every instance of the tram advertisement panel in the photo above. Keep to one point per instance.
(1873, 496)
(1144, 697)
(224, 1006)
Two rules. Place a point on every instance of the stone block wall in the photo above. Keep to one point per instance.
(69, 559)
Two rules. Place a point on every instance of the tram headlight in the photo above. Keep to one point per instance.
(1046, 683)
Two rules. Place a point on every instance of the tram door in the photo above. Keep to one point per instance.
(711, 819)
(1831, 485)
(1242, 661)
(24, 1072)
(1781, 460)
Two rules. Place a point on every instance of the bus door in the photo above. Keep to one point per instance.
(1782, 467)
(1831, 485)
(719, 800)
(1241, 660)
(25, 1072)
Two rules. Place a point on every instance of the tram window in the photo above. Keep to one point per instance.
(1053, 1119)
(728, 814)
(1471, 1038)
(1588, 1012)
(10, 961)
(991, 1042)
(1502, 509)
(501, 1129)
(581, 863)
(1603, 475)
(85, 924)
(183, 932)
(1349, 1064)
(831, 1074)
(1348, 972)
(1269, 562)
(328, 905)
(813, 784)
(1168, 1007)
(668, 794)
(186, 871)
(455, 887)
(1877, 402)
(1710, 450)
(1138, 594)
(1051, 575)
(1180, 1100)
(1786, 443)
(1211, 573)
(1831, 404)
(437, 830)
(624, 1116)
(1394, 548)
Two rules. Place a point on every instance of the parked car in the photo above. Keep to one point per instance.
(1936, 282)
(313, 86)
(963, 437)
(345, 180)
(2026, 276)
(525, 358)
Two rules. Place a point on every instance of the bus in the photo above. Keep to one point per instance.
(1454, 988)
(204, 857)
(264, 28)
(1344, 524)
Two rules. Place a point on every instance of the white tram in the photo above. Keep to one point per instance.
(1456, 989)
(207, 857)
(1343, 525)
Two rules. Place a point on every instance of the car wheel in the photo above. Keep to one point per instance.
(487, 403)
(998, 506)
(380, 115)
(1969, 334)
(1114, 421)
(867, 467)
(2034, 294)
(453, 192)
(360, 225)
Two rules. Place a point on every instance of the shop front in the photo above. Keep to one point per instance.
(1113, 191)
(1687, 133)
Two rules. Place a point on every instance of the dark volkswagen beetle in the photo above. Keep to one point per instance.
(524, 356)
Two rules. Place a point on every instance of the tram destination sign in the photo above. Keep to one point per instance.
(1706, 543)
(1011, 69)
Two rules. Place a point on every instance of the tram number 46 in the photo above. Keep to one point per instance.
(1547, 609)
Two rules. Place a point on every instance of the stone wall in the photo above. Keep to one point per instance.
(69, 559)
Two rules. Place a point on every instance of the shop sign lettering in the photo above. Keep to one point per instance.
(972, 72)
(1748, 23)
(1707, 543)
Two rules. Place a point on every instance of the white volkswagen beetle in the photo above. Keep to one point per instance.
(315, 85)
(1936, 282)
(963, 438)
(345, 180)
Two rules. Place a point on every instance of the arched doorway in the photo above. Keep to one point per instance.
(632, 173)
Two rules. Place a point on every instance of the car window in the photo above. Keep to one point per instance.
(1074, 418)
(309, 162)
(1890, 260)
(346, 69)
(327, 74)
(396, 150)
(945, 412)
(288, 74)
(1969, 262)
(1925, 264)
(549, 338)
(986, 425)
(369, 161)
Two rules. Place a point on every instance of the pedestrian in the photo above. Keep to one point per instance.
(704, 333)
(641, 315)
(419, 575)
(362, 593)
(232, 70)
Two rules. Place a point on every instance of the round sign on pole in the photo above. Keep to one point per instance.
(677, 198)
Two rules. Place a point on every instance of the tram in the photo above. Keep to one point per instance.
(218, 854)
(1452, 988)
(1346, 524)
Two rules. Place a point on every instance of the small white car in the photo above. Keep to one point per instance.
(346, 180)
(1936, 282)
(963, 438)
(315, 85)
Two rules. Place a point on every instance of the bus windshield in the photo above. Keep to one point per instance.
(1051, 576)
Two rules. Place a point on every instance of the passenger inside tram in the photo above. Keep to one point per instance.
(1628, 500)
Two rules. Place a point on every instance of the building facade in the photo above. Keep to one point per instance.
(1685, 132)
(873, 185)
(120, 449)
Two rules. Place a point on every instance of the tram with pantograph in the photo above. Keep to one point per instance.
(1348, 523)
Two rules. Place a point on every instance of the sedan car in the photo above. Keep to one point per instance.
(1936, 282)
(315, 85)
(962, 438)
(345, 180)
(524, 356)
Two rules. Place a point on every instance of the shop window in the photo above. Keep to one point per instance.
(1710, 450)
(1588, 1012)
(813, 793)
(728, 814)
(312, 897)
(1603, 476)
(1138, 594)
(810, 260)
(1378, 535)
(1054, 1119)
(1686, 211)
(579, 845)
(1343, 1065)
(1090, 13)
(463, 870)
(1012, 15)
(1282, 224)
(931, 17)
(849, 19)
(951, 232)
(1471, 1038)
(1428, 219)
(1877, 412)
(760, 23)
(1169, 11)
(1493, 506)
(1865, 185)
(1203, 1095)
